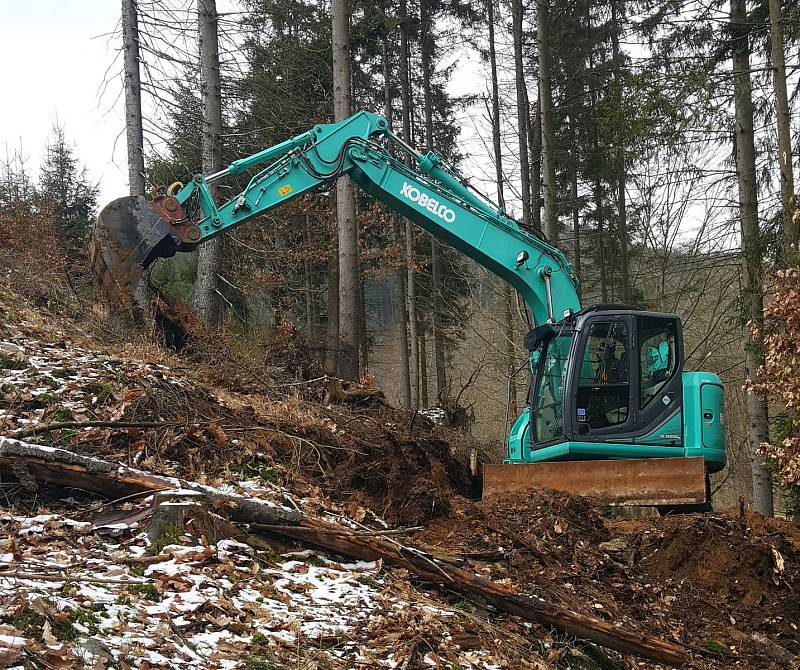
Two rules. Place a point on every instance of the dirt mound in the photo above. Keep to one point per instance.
(536, 529)
(750, 564)
(407, 478)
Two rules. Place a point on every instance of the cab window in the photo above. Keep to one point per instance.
(602, 398)
(657, 356)
(548, 400)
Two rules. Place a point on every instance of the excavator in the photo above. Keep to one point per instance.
(611, 412)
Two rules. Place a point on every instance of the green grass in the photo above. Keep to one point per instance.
(88, 617)
(32, 625)
(52, 383)
(251, 469)
(137, 570)
(716, 647)
(100, 390)
(149, 591)
(60, 415)
(316, 561)
(8, 362)
(42, 401)
(366, 580)
(261, 662)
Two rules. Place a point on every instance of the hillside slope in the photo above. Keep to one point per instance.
(82, 586)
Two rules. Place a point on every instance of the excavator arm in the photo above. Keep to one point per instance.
(131, 233)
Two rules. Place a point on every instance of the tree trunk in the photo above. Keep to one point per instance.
(405, 86)
(133, 123)
(576, 229)
(347, 364)
(522, 109)
(405, 381)
(363, 333)
(133, 98)
(428, 48)
(601, 241)
(548, 138)
(758, 431)
(423, 366)
(784, 129)
(598, 185)
(622, 219)
(438, 331)
(332, 347)
(536, 165)
(309, 284)
(498, 166)
(206, 296)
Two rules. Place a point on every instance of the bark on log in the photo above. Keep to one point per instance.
(69, 469)
(59, 466)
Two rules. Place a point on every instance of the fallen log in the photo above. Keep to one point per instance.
(492, 593)
(69, 469)
(66, 468)
(334, 393)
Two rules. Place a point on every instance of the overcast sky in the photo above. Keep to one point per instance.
(56, 56)
(53, 59)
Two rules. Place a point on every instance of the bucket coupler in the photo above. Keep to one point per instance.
(129, 234)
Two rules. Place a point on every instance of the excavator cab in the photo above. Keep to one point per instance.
(608, 384)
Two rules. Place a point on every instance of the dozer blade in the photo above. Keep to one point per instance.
(648, 482)
(129, 234)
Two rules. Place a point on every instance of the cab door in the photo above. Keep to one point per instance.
(658, 383)
(603, 408)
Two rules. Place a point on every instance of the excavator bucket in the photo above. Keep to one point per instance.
(129, 234)
(648, 482)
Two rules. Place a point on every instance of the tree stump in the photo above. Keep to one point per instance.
(178, 512)
(181, 512)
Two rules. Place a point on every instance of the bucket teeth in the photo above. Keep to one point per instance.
(127, 237)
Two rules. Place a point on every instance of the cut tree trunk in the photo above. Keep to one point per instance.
(65, 468)
(752, 278)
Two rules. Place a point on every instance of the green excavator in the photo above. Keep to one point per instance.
(611, 411)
